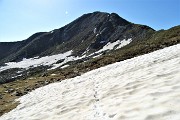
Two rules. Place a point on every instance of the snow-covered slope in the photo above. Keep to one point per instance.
(142, 88)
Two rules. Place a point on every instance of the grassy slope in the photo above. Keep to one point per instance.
(157, 40)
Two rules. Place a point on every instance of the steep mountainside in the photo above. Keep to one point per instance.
(10, 48)
(92, 31)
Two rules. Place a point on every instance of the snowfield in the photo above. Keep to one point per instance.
(142, 88)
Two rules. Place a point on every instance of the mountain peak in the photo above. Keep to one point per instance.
(90, 31)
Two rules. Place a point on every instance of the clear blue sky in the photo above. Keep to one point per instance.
(21, 18)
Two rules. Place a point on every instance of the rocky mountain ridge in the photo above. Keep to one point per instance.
(92, 31)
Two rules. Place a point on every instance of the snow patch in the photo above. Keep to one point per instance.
(34, 62)
(95, 30)
(97, 56)
(53, 74)
(17, 76)
(124, 43)
(110, 46)
(65, 66)
(67, 59)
